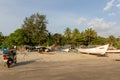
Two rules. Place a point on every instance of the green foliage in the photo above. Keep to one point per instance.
(117, 43)
(49, 40)
(67, 35)
(99, 41)
(112, 40)
(17, 38)
(1, 38)
(88, 36)
(57, 39)
(35, 29)
(32, 32)
(76, 37)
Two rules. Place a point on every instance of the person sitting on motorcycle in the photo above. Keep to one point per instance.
(13, 55)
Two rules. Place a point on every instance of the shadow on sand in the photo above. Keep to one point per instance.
(117, 59)
(23, 63)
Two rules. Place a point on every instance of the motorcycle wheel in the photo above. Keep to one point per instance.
(8, 64)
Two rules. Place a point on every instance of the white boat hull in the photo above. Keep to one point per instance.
(98, 50)
(65, 50)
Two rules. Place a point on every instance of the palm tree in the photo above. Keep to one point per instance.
(76, 36)
(88, 35)
(67, 35)
(112, 40)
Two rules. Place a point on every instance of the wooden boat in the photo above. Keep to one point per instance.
(101, 50)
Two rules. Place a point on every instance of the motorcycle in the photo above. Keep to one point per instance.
(9, 60)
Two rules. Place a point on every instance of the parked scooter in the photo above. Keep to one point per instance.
(10, 58)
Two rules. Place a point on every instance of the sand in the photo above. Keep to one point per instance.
(62, 66)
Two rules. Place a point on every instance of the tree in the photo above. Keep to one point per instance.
(76, 36)
(35, 29)
(68, 35)
(49, 41)
(18, 38)
(117, 43)
(99, 41)
(1, 38)
(10, 40)
(112, 40)
(57, 39)
(89, 35)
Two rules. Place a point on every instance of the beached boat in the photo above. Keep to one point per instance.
(113, 51)
(101, 50)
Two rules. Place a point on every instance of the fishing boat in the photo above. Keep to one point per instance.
(100, 50)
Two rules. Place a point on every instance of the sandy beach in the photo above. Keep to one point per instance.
(62, 66)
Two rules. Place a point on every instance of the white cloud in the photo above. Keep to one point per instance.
(112, 14)
(112, 31)
(113, 6)
(109, 5)
(104, 28)
(99, 24)
(118, 5)
(81, 20)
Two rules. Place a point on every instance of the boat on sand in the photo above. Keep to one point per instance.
(100, 50)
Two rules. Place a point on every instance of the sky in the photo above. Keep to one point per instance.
(101, 15)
